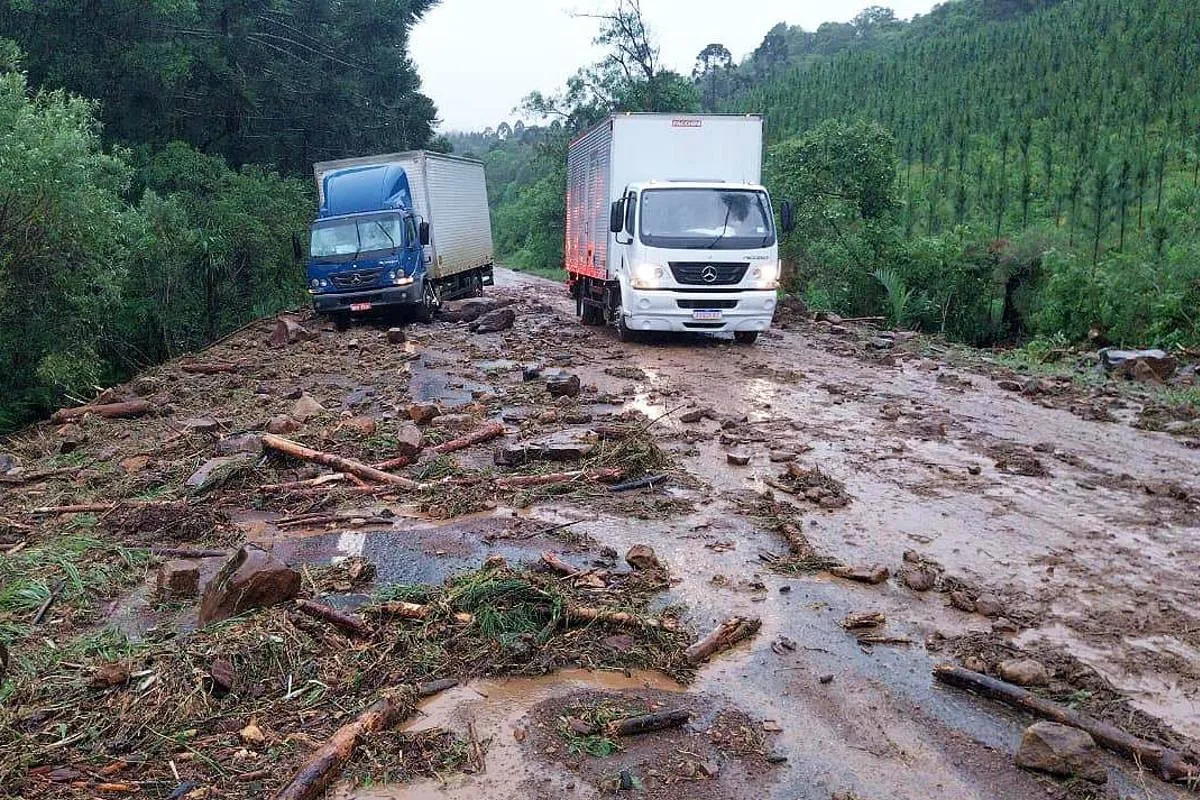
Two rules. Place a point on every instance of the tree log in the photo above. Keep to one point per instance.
(134, 408)
(297, 450)
(37, 477)
(325, 765)
(660, 720)
(726, 635)
(493, 430)
(349, 623)
(530, 481)
(1170, 765)
(797, 542)
(556, 564)
(418, 612)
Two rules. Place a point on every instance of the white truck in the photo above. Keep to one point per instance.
(668, 226)
(404, 229)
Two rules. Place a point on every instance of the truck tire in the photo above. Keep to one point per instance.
(477, 285)
(430, 303)
(341, 320)
(591, 315)
(624, 332)
(745, 337)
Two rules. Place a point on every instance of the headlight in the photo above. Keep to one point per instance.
(314, 285)
(766, 276)
(391, 276)
(647, 276)
(402, 280)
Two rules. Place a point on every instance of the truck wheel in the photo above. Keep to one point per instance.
(745, 337)
(590, 315)
(624, 332)
(477, 285)
(430, 303)
(341, 320)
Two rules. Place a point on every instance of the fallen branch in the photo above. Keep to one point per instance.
(1170, 765)
(97, 508)
(45, 606)
(184, 552)
(648, 482)
(134, 408)
(550, 479)
(37, 477)
(797, 542)
(349, 466)
(658, 721)
(419, 612)
(556, 564)
(493, 430)
(395, 463)
(333, 519)
(351, 624)
(311, 483)
(325, 765)
(436, 687)
(726, 635)
(882, 638)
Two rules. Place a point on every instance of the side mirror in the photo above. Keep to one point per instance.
(423, 233)
(297, 249)
(616, 217)
(787, 216)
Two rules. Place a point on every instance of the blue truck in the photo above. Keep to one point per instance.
(404, 231)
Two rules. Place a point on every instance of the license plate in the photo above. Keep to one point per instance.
(706, 315)
(360, 306)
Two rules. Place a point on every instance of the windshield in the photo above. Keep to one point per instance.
(350, 237)
(716, 219)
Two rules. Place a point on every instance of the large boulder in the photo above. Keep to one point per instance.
(495, 321)
(1147, 366)
(470, 309)
(252, 578)
(409, 440)
(1062, 751)
(563, 385)
(288, 331)
(561, 446)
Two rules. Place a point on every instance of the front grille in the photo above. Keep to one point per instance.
(361, 279)
(707, 304)
(708, 274)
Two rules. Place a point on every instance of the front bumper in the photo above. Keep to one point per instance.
(330, 302)
(674, 310)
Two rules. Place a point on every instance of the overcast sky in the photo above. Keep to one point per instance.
(478, 58)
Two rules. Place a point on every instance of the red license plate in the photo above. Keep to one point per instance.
(360, 306)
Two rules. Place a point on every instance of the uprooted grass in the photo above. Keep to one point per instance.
(297, 678)
(786, 520)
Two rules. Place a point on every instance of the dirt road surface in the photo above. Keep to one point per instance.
(1011, 523)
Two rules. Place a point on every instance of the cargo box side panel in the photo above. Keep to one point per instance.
(460, 220)
(589, 162)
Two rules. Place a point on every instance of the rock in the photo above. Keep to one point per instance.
(495, 321)
(453, 422)
(363, 426)
(306, 408)
(282, 425)
(288, 331)
(530, 373)
(738, 459)
(470, 309)
(178, 580)
(7, 462)
(1155, 365)
(919, 579)
(409, 440)
(222, 676)
(580, 727)
(1010, 386)
(882, 343)
(620, 643)
(252, 578)
(424, 413)
(831, 502)
(696, 415)
(396, 336)
(561, 446)
(781, 456)
(216, 472)
(1024, 672)
(874, 574)
(563, 385)
(244, 443)
(826, 679)
(201, 425)
(252, 734)
(135, 464)
(830, 317)
(975, 469)
(629, 373)
(962, 601)
(710, 769)
(1062, 751)
(1004, 625)
(989, 605)
(109, 675)
(975, 664)
(642, 557)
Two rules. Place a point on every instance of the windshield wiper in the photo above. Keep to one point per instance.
(379, 225)
(724, 229)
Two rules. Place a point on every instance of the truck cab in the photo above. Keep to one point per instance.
(366, 245)
(695, 257)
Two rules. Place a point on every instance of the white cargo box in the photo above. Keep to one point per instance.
(450, 193)
(637, 148)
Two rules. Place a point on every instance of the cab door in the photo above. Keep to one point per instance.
(413, 257)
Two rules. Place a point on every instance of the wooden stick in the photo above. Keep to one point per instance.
(419, 612)
(395, 463)
(332, 519)
(724, 636)
(493, 430)
(436, 687)
(82, 508)
(297, 450)
(311, 483)
(556, 564)
(1169, 764)
(530, 481)
(183, 552)
(353, 625)
(325, 765)
(41, 612)
(797, 542)
(134, 408)
(660, 720)
(37, 477)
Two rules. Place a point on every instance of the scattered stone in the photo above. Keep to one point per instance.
(710, 769)
(563, 385)
(287, 331)
(7, 462)
(217, 472)
(696, 415)
(223, 678)
(135, 464)
(891, 412)
(738, 458)
(962, 601)
(531, 373)
(1004, 625)
(423, 413)
(306, 408)
(831, 502)
(409, 440)
(919, 579)
(470, 309)
(252, 734)
(1150, 366)
(453, 422)
(178, 580)
(975, 469)
(1024, 672)
(107, 676)
(882, 343)
(363, 426)
(625, 782)
(561, 446)
(1062, 751)
(629, 373)
(244, 443)
(989, 605)
(875, 574)
(252, 578)
(826, 679)
(642, 557)
(201, 425)
(782, 456)
(620, 643)
(396, 336)
(1010, 386)
(282, 425)
(495, 321)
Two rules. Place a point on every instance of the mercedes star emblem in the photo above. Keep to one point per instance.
(709, 274)
(356, 280)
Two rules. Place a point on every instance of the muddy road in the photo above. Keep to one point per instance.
(1012, 524)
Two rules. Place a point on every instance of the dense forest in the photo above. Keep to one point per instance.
(154, 157)
(1036, 163)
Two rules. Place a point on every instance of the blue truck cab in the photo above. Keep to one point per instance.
(366, 247)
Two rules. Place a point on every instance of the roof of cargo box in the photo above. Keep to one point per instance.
(324, 169)
(368, 188)
(644, 114)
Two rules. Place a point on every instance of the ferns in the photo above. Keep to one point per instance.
(900, 297)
